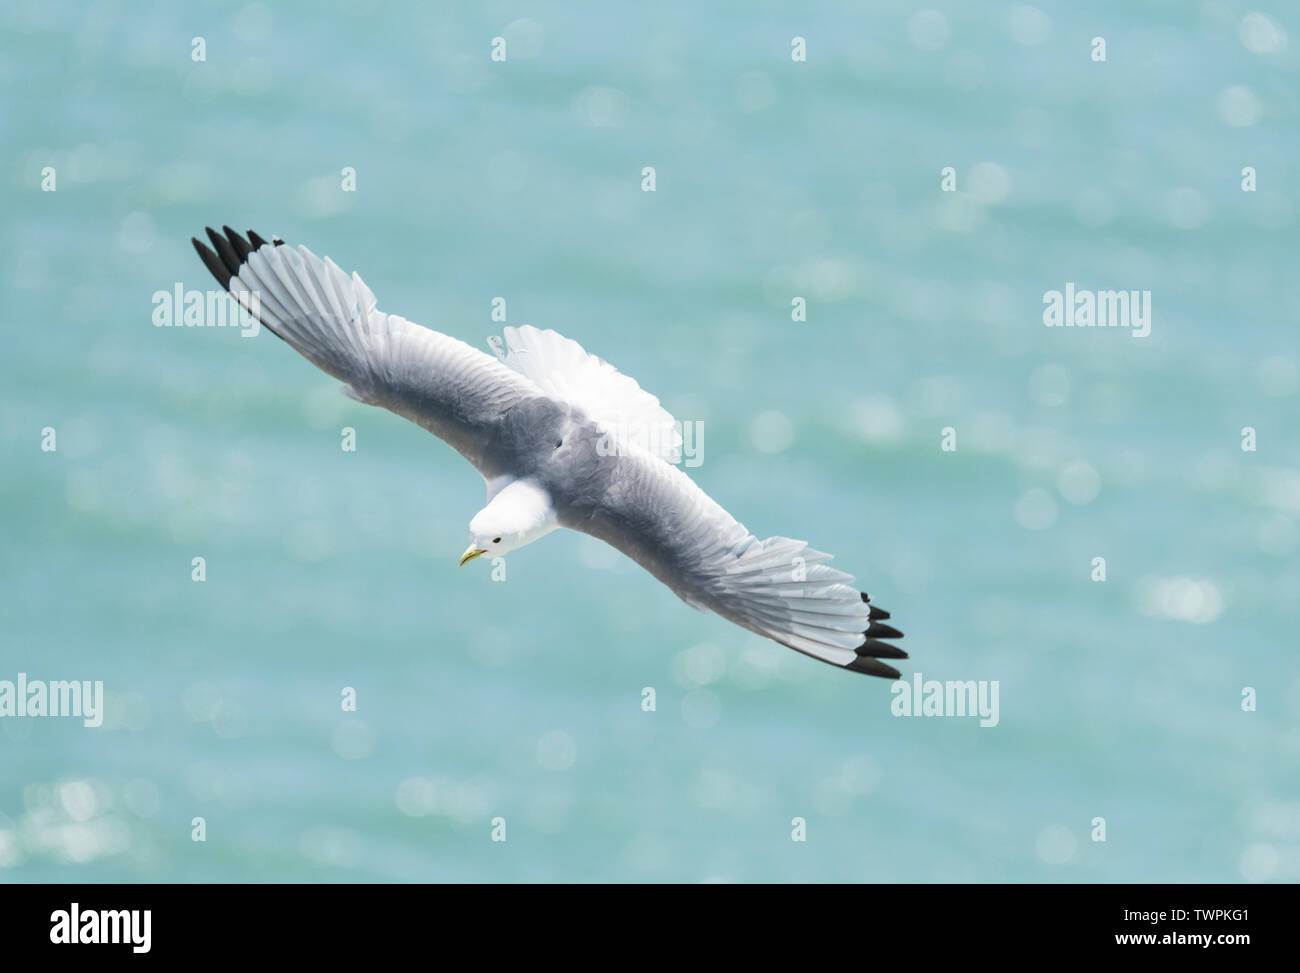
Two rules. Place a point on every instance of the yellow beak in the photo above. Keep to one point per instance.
(471, 552)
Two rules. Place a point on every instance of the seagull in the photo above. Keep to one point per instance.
(563, 439)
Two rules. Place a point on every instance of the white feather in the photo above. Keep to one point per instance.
(564, 370)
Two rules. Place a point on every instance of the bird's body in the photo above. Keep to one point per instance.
(562, 440)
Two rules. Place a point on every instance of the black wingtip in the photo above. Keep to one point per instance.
(872, 649)
(257, 242)
(872, 667)
(228, 253)
(880, 631)
(225, 251)
(875, 612)
(881, 650)
(238, 242)
(213, 263)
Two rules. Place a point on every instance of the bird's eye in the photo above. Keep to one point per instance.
(496, 540)
(559, 443)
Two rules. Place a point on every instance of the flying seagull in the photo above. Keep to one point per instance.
(563, 439)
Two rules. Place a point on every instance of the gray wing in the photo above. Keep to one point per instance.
(778, 588)
(449, 388)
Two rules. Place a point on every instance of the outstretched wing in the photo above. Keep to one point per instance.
(779, 588)
(566, 372)
(454, 391)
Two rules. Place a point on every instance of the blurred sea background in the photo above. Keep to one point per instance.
(775, 179)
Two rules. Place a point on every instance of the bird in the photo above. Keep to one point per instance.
(563, 440)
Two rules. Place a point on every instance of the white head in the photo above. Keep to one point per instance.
(518, 515)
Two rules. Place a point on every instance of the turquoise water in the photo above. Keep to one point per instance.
(522, 699)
